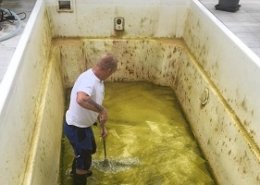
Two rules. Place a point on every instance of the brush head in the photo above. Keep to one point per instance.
(105, 162)
(115, 165)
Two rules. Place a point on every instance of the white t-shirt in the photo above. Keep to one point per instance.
(77, 115)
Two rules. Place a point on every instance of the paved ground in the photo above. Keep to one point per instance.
(7, 47)
(245, 24)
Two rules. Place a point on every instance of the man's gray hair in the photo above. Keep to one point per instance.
(108, 61)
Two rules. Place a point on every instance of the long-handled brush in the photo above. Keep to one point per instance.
(106, 162)
(113, 166)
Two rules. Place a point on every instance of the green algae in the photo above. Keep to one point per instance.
(149, 141)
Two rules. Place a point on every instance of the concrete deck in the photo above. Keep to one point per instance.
(244, 23)
(8, 47)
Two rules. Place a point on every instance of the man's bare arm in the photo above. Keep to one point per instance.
(86, 102)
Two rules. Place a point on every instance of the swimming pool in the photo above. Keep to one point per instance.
(173, 43)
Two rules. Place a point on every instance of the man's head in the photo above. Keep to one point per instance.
(106, 66)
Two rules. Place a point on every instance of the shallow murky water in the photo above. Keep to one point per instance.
(148, 141)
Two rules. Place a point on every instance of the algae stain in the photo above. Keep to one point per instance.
(146, 126)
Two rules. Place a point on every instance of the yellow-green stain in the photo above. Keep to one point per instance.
(148, 143)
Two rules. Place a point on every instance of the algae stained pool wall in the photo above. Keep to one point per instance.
(31, 108)
(154, 60)
(217, 90)
(228, 126)
(32, 100)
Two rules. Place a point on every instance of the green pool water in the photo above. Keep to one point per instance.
(149, 142)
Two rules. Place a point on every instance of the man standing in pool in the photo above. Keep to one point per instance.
(84, 110)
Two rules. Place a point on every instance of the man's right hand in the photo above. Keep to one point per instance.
(103, 117)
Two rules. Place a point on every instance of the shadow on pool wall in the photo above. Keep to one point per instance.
(174, 43)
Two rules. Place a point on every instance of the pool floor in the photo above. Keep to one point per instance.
(149, 141)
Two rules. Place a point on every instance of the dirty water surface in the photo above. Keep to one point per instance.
(149, 142)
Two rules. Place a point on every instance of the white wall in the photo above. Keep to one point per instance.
(154, 60)
(146, 18)
(229, 134)
(31, 108)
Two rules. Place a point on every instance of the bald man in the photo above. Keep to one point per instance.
(84, 110)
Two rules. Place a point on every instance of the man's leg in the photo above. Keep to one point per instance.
(86, 146)
(83, 163)
(83, 143)
(73, 169)
(76, 137)
(87, 158)
(79, 179)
